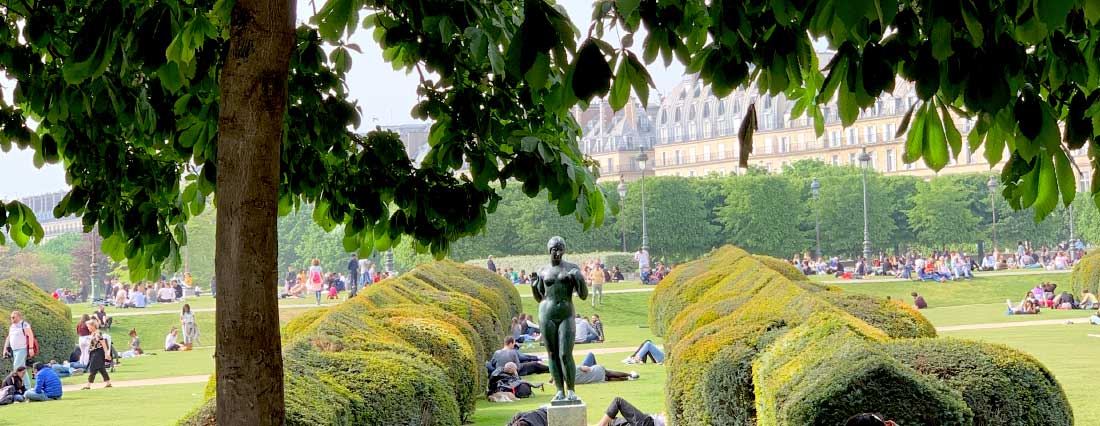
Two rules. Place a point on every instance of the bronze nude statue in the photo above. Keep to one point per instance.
(553, 288)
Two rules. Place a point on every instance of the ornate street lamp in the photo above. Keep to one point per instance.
(865, 162)
(815, 188)
(643, 160)
(622, 200)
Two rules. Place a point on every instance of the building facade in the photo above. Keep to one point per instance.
(694, 133)
(42, 206)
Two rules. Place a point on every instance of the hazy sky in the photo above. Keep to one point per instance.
(385, 96)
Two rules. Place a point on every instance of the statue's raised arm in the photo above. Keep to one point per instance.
(580, 284)
(538, 288)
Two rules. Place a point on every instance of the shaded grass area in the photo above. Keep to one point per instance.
(1066, 350)
(980, 290)
(646, 393)
(137, 406)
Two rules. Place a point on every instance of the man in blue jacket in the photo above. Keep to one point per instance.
(47, 385)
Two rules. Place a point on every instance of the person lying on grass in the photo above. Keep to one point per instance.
(591, 372)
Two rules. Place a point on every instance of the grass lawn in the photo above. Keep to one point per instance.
(647, 393)
(158, 364)
(994, 289)
(137, 406)
(1066, 350)
(203, 302)
(993, 313)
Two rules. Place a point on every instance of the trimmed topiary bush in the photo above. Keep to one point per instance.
(897, 319)
(830, 367)
(407, 350)
(782, 266)
(749, 341)
(1086, 274)
(50, 320)
(1000, 385)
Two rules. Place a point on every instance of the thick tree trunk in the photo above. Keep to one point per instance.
(253, 99)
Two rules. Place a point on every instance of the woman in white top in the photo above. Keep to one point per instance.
(17, 344)
(170, 341)
(316, 279)
(190, 329)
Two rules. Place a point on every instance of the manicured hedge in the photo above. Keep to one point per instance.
(50, 320)
(750, 341)
(407, 350)
(830, 368)
(897, 319)
(1000, 385)
(782, 266)
(1086, 274)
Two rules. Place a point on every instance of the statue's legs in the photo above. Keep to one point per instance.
(551, 339)
(566, 335)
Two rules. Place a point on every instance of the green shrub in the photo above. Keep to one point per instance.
(830, 367)
(1001, 386)
(782, 266)
(1086, 274)
(687, 282)
(897, 319)
(407, 350)
(50, 320)
(710, 368)
(369, 388)
(504, 287)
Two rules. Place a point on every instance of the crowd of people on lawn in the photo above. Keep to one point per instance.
(314, 280)
(596, 272)
(93, 354)
(945, 265)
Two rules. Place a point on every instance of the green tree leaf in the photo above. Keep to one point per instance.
(1067, 181)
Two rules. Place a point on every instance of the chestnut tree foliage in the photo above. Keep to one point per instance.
(125, 94)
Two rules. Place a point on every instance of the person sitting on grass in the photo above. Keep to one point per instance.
(170, 344)
(525, 364)
(1088, 300)
(166, 294)
(505, 385)
(597, 326)
(869, 419)
(1095, 318)
(591, 372)
(616, 274)
(646, 350)
(135, 345)
(15, 380)
(918, 301)
(104, 320)
(585, 333)
(1027, 307)
(631, 416)
(47, 385)
(1065, 301)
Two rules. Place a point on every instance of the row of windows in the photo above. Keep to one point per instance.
(768, 119)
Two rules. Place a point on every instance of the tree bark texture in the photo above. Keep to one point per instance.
(250, 132)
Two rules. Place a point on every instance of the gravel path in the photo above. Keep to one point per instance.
(178, 380)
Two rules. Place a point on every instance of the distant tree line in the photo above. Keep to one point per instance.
(774, 215)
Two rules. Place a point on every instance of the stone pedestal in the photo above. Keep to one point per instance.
(567, 413)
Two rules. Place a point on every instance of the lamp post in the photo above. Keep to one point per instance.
(865, 162)
(642, 162)
(622, 199)
(815, 187)
(992, 185)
